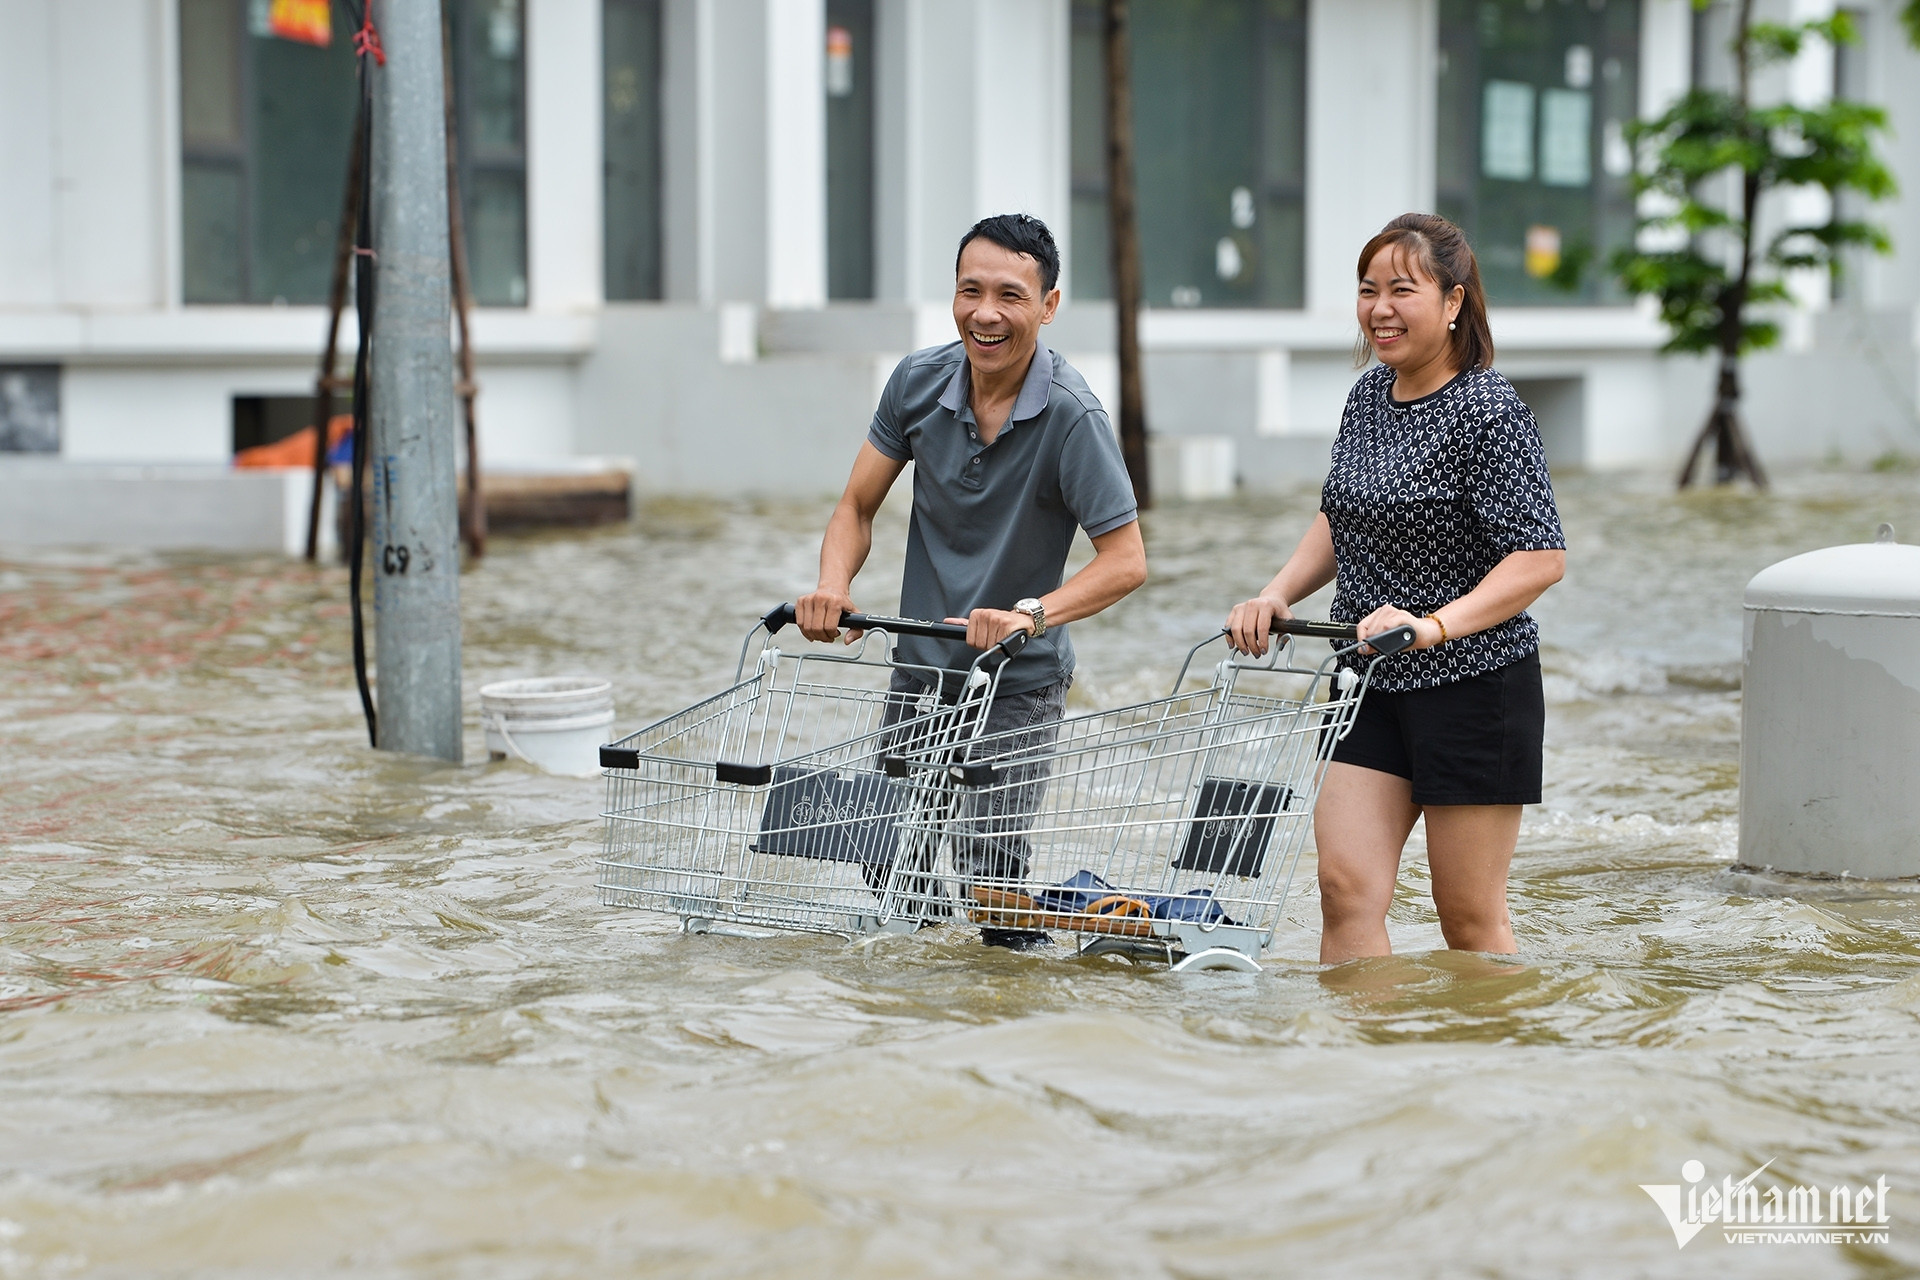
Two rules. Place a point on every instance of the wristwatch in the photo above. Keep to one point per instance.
(1035, 610)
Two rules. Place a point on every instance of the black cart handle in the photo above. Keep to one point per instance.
(991, 660)
(785, 616)
(1387, 642)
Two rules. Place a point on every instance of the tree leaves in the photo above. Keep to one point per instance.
(1703, 168)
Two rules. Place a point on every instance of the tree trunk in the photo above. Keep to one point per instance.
(1733, 455)
(1124, 231)
(474, 525)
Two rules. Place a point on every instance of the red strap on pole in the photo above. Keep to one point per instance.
(367, 39)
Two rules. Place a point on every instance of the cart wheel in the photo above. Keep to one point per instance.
(1217, 958)
(1132, 950)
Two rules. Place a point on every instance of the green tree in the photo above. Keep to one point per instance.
(1704, 168)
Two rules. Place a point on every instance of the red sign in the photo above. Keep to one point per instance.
(308, 21)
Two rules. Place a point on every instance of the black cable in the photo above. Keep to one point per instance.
(362, 418)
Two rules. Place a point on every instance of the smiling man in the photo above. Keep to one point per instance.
(1012, 454)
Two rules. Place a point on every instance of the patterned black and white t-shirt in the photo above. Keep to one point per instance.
(1425, 498)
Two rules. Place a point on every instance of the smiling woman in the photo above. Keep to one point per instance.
(1401, 316)
(1437, 514)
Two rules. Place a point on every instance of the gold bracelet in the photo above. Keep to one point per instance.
(1435, 619)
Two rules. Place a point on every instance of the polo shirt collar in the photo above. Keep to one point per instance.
(1033, 392)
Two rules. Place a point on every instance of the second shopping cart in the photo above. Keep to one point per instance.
(1167, 830)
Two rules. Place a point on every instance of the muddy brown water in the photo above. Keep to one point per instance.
(274, 1004)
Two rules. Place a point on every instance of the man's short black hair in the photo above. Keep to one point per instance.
(1021, 233)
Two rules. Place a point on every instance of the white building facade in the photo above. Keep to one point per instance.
(704, 230)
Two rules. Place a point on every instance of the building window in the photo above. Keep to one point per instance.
(1219, 124)
(849, 87)
(265, 124)
(1532, 159)
(630, 133)
(265, 128)
(489, 95)
(29, 408)
(259, 420)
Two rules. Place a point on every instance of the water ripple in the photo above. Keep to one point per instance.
(273, 1004)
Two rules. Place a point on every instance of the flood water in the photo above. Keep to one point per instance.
(274, 1004)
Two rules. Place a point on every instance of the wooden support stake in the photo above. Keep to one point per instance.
(326, 381)
(475, 524)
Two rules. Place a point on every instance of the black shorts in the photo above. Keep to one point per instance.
(1476, 741)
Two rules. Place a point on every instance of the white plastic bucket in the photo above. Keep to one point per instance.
(555, 723)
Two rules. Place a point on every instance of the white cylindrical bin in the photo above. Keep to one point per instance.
(1830, 715)
(556, 723)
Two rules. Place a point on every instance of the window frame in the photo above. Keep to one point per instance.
(241, 160)
(612, 290)
(1460, 179)
(1276, 195)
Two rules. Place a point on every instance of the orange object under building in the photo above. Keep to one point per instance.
(295, 450)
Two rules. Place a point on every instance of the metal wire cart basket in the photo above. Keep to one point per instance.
(766, 804)
(1168, 830)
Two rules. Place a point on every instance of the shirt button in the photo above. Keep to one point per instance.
(976, 462)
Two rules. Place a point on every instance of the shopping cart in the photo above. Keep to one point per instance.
(766, 804)
(1165, 831)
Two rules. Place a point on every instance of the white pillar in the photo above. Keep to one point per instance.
(1809, 84)
(27, 157)
(1666, 74)
(796, 153)
(925, 140)
(1370, 130)
(973, 119)
(746, 152)
(1893, 81)
(564, 163)
(1022, 157)
(1666, 54)
(107, 154)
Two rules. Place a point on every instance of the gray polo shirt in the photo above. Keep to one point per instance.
(992, 523)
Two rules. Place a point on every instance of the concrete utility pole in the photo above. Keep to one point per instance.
(416, 552)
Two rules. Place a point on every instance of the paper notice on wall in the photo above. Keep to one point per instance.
(1616, 153)
(308, 21)
(839, 62)
(1543, 251)
(1579, 66)
(1566, 138)
(1506, 130)
(1228, 261)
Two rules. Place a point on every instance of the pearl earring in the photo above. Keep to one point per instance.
(1450, 326)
